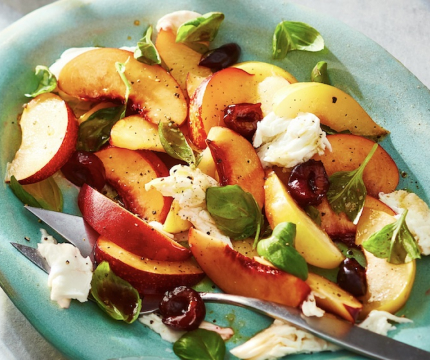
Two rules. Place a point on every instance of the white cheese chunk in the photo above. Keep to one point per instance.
(289, 142)
(418, 217)
(310, 308)
(282, 338)
(154, 322)
(172, 21)
(70, 275)
(188, 186)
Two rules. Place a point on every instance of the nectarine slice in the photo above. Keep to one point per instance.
(311, 241)
(388, 285)
(333, 298)
(335, 108)
(179, 58)
(237, 274)
(154, 94)
(225, 87)
(128, 171)
(236, 161)
(49, 133)
(127, 230)
(349, 151)
(145, 275)
(136, 133)
(262, 70)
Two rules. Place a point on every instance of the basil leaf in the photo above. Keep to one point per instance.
(314, 214)
(95, 132)
(115, 296)
(394, 242)
(44, 194)
(319, 73)
(175, 144)
(280, 251)
(293, 35)
(120, 68)
(235, 212)
(146, 52)
(200, 344)
(203, 28)
(347, 191)
(352, 253)
(47, 81)
(329, 131)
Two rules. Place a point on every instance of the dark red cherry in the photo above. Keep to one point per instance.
(243, 118)
(352, 277)
(308, 183)
(221, 57)
(84, 167)
(182, 308)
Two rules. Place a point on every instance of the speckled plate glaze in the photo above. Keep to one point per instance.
(388, 91)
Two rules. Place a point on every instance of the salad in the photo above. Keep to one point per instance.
(193, 209)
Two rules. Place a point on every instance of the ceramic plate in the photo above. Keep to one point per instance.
(389, 92)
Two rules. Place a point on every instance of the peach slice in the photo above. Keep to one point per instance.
(135, 133)
(335, 108)
(174, 223)
(236, 161)
(338, 226)
(49, 133)
(334, 299)
(262, 70)
(349, 151)
(236, 274)
(180, 59)
(212, 96)
(145, 275)
(128, 171)
(127, 230)
(388, 285)
(154, 94)
(311, 241)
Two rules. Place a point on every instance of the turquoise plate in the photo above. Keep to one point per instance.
(388, 91)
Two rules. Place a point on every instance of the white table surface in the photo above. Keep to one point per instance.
(401, 26)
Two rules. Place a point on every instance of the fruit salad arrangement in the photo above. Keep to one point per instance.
(192, 164)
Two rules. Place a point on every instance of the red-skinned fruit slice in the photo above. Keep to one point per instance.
(49, 132)
(237, 274)
(145, 275)
(128, 171)
(127, 230)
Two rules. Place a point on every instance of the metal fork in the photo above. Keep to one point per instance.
(337, 331)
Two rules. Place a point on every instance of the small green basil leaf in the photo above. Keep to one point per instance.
(114, 295)
(280, 251)
(347, 191)
(95, 132)
(175, 144)
(394, 242)
(235, 212)
(47, 81)
(120, 68)
(314, 214)
(329, 131)
(293, 35)
(203, 28)
(319, 73)
(200, 344)
(146, 52)
(44, 194)
(352, 253)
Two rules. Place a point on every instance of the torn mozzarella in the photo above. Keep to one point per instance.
(172, 21)
(377, 322)
(310, 308)
(70, 275)
(418, 217)
(188, 186)
(289, 142)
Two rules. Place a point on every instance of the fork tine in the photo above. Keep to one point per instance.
(73, 228)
